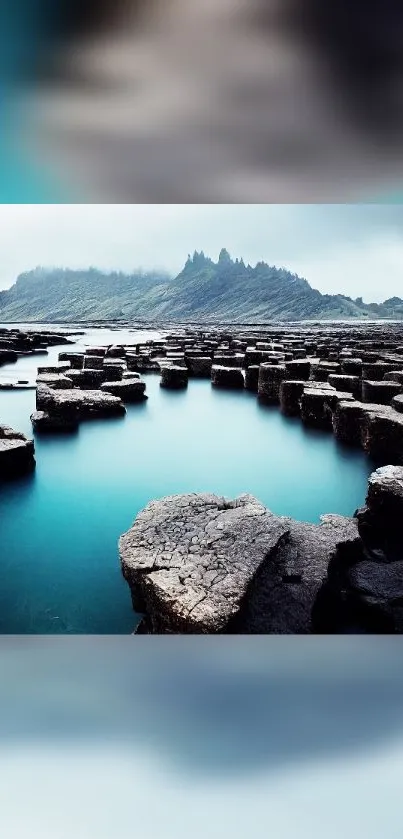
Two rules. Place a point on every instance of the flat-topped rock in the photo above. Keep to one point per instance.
(44, 422)
(270, 378)
(75, 359)
(318, 404)
(382, 435)
(227, 377)
(383, 513)
(174, 377)
(56, 380)
(381, 392)
(87, 379)
(16, 453)
(199, 366)
(128, 390)
(200, 563)
(75, 403)
(252, 377)
(397, 403)
(189, 559)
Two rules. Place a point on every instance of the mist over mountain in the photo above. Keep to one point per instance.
(226, 290)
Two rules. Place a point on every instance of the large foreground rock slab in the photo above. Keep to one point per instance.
(189, 559)
(78, 404)
(16, 453)
(201, 563)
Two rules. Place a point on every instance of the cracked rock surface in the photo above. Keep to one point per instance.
(201, 563)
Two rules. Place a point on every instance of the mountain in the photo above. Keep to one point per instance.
(227, 290)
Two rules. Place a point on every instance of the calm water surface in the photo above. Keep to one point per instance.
(59, 566)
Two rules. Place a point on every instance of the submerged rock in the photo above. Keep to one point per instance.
(16, 453)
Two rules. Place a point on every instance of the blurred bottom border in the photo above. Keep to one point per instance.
(201, 736)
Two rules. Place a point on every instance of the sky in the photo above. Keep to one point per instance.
(352, 249)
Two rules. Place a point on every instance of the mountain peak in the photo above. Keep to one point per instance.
(224, 257)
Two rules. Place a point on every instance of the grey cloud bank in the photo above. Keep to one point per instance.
(353, 249)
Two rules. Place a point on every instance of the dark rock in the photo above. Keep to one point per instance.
(252, 377)
(382, 435)
(55, 380)
(87, 379)
(189, 559)
(76, 359)
(174, 377)
(115, 352)
(349, 384)
(375, 372)
(113, 370)
(81, 404)
(16, 453)
(290, 397)
(94, 362)
(298, 370)
(352, 367)
(43, 422)
(141, 363)
(397, 403)
(231, 377)
(234, 360)
(380, 392)
(203, 564)
(270, 378)
(199, 366)
(57, 369)
(318, 405)
(394, 376)
(129, 390)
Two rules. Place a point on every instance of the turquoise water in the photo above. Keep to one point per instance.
(59, 567)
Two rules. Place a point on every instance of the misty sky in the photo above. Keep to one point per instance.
(354, 249)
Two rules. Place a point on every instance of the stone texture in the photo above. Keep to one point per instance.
(78, 404)
(290, 397)
(174, 377)
(231, 377)
(200, 563)
(380, 392)
(382, 435)
(397, 403)
(349, 384)
(56, 380)
(298, 370)
(128, 390)
(16, 453)
(44, 422)
(270, 378)
(190, 558)
(199, 366)
(252, 377)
